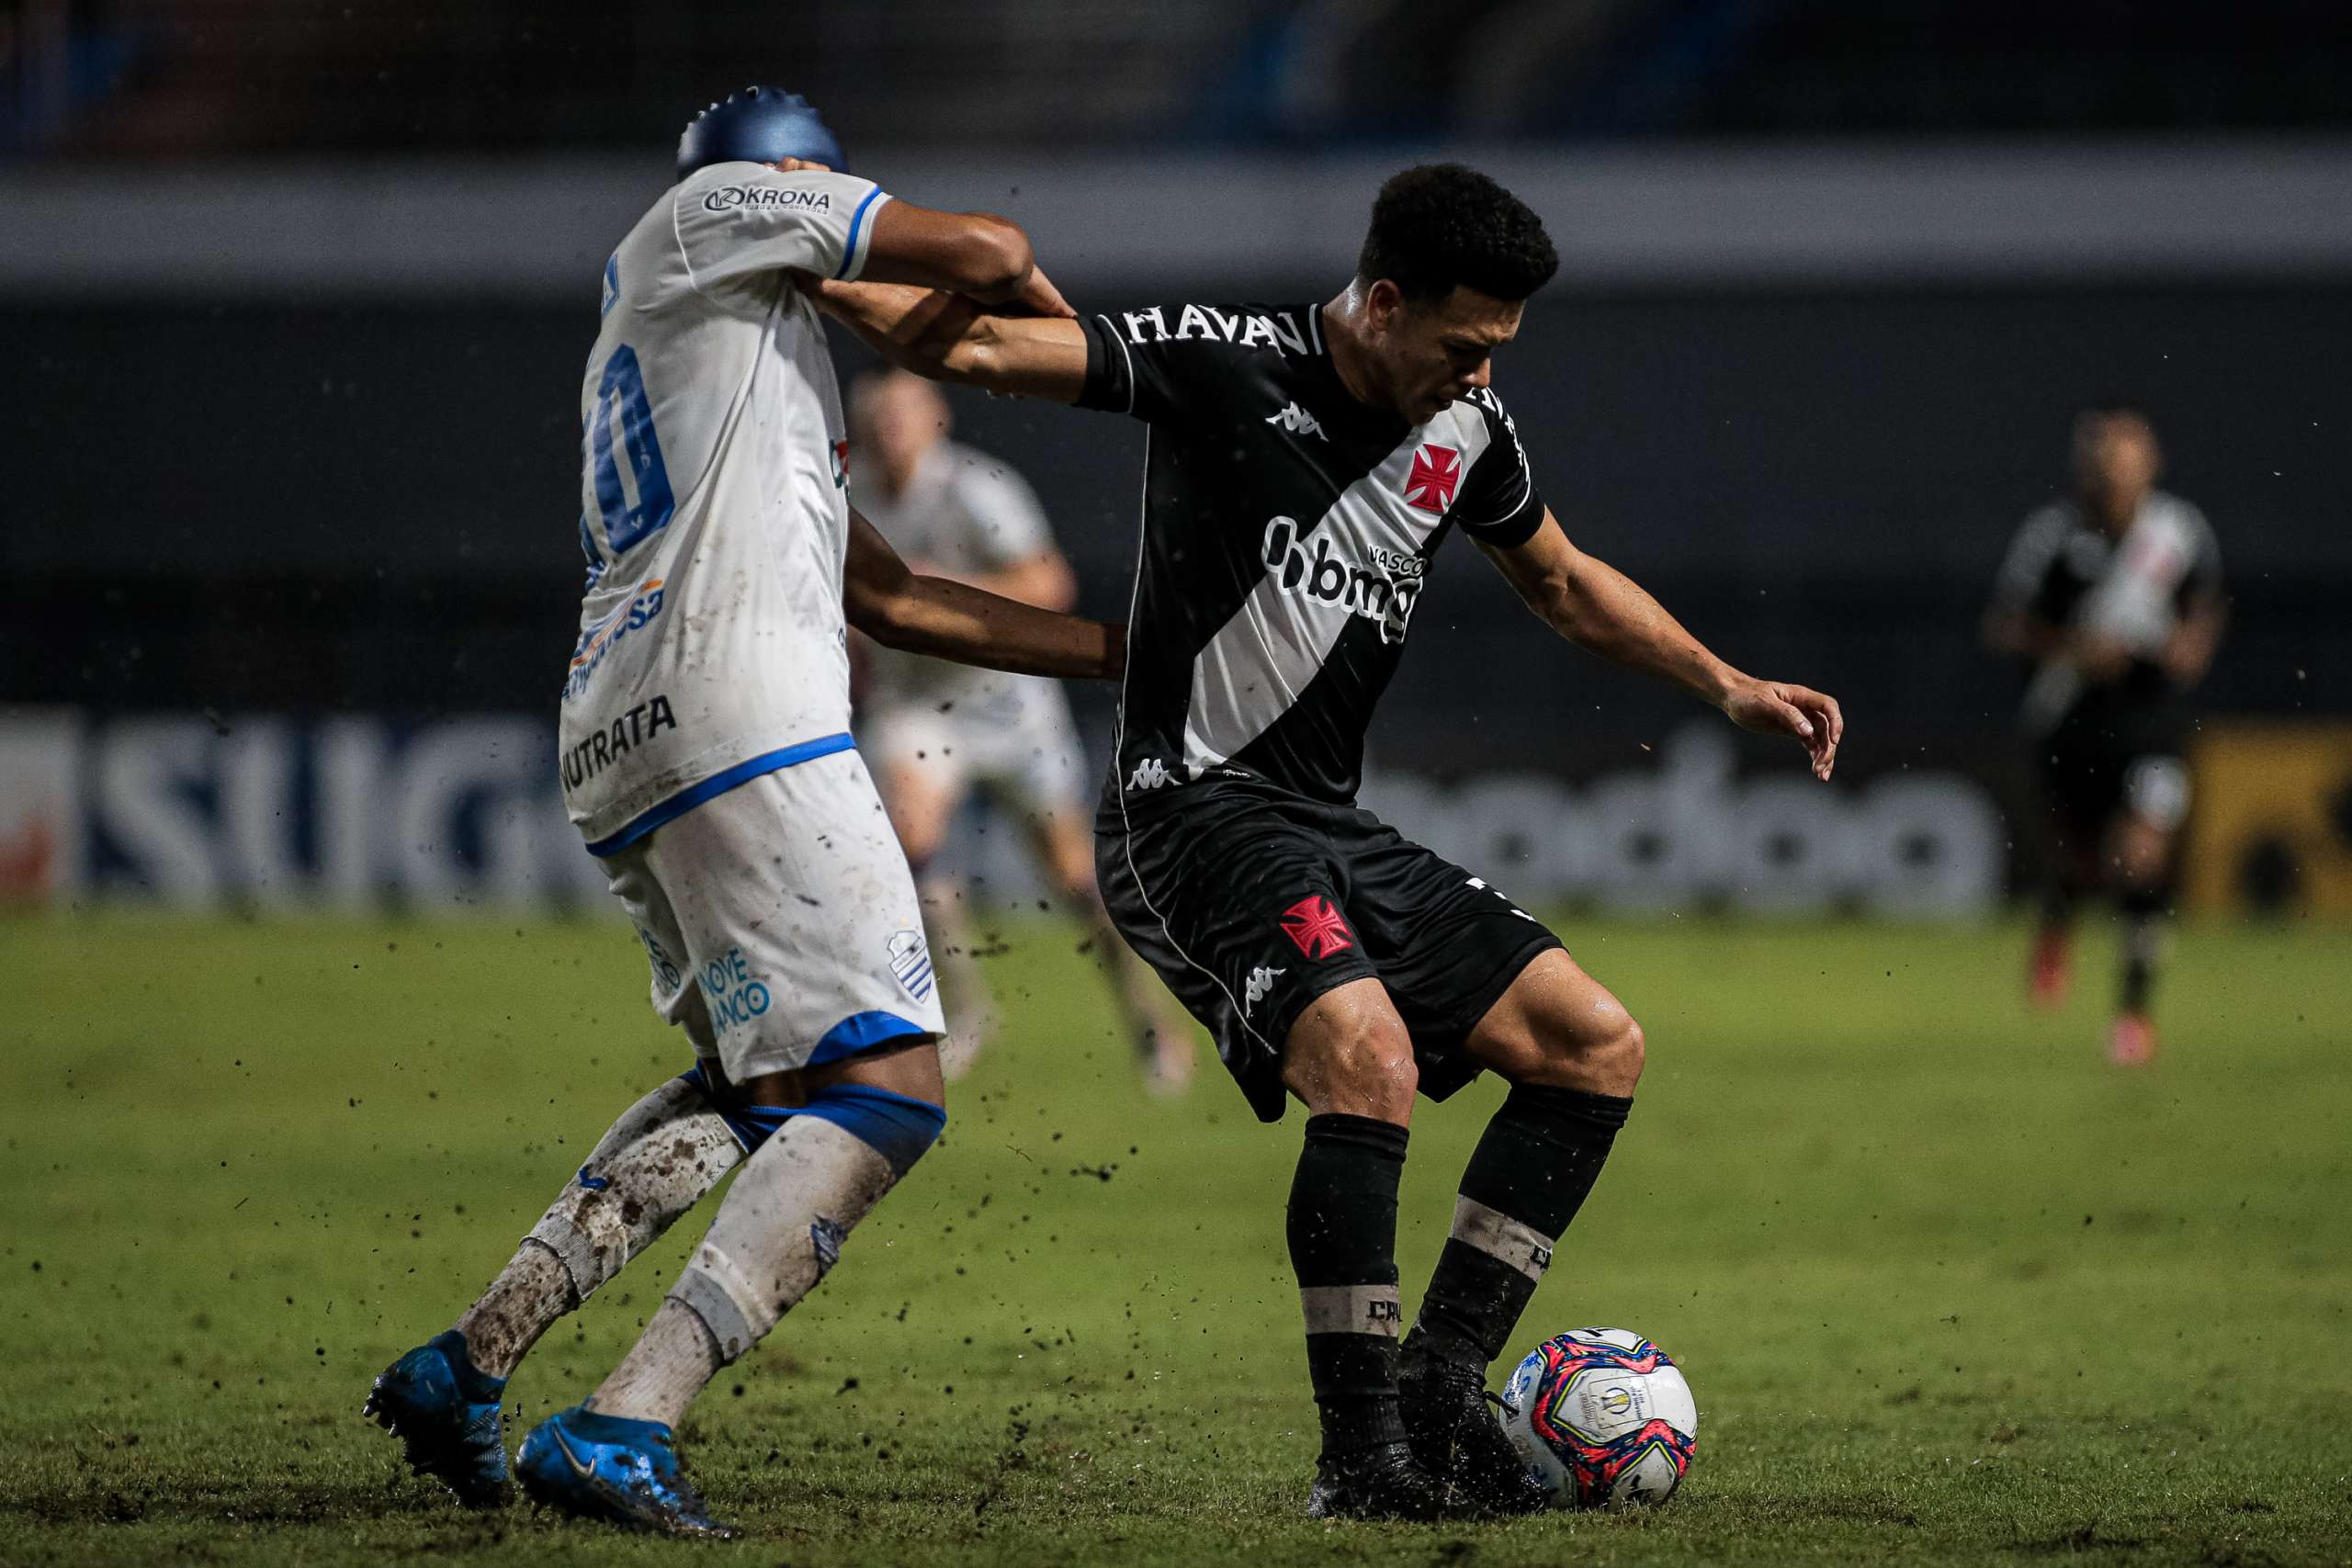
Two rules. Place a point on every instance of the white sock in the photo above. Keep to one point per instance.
(779, 1231)
(653, 1165)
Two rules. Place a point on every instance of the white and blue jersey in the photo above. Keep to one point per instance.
(714, 513)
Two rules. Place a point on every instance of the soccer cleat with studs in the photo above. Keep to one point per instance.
(446, 1415)
(1457, 1440)
(619, 1470)
(1384, 1482)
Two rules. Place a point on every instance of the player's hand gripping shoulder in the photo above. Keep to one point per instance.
(1601, 609)
(947, 619)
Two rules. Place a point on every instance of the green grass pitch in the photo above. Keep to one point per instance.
(1948, 1288)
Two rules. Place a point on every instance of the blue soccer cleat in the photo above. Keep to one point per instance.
(446, 1415)
(614, 1469)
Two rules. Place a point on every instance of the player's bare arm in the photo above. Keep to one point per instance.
(946, 619)
(979, 254)
(1044, 579)
(2188, 651)
(1602, 610)
(949, 337)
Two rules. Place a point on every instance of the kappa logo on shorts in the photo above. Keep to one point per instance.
(1261, 980)
(1319, 928)
(911, 962)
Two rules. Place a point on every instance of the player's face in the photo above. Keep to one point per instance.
(894, 418)
(2116, 459)
(1436, 353)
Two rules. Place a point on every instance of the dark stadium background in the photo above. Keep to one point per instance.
(293, 343)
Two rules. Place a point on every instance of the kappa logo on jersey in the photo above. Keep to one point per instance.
(1151, 774)
(1318, 926)
(765, 199)
(1436, 474)
(911, 962)
(1382, 589)
(1298, 422)
(1261, 980)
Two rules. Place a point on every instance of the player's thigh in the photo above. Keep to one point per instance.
(676, 996)
(1350, 1053)
(1034, 768)
(1555, 1024)
(1449, 944)
(800, 919)
(922, 776)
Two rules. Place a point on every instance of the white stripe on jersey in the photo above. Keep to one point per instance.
(1263, 658)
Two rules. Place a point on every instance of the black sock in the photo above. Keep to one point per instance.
(1530, 1175)
(2143, 911)
(1342, 1232)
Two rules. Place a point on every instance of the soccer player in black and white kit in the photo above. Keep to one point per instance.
(2115, 596)
(1304, 463)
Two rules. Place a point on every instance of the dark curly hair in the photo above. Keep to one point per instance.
(1437, 225)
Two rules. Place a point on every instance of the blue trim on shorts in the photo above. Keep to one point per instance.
(862, 1032)
(718, 784)
(749, 1125)
(897, 1127)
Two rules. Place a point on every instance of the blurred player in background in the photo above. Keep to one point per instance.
(1306, 462)
(2114, 597)
(707, 760)
(933, 730)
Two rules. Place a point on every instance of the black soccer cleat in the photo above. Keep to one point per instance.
(1457, 1440)
(1384, 1482)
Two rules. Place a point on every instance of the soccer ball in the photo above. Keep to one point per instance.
(1602, 1419)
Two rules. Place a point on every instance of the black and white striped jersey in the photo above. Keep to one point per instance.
(2134, 590)
(1288, 531)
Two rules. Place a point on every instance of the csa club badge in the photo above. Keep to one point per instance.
(911, 962)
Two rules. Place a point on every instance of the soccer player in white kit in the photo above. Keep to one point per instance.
(933, 731)
(706, 760)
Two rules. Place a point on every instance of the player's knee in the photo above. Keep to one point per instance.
(1366, 1068)
(899, 1127)
(1602, 1051)
(1622, 1053)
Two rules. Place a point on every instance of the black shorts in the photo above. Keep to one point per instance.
(2114, 752)
(1251, 902)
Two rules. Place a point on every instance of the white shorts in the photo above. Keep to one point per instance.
(1023, 746)
(781, 921)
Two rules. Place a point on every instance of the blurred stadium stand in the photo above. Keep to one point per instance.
(206, 77)
(296, 298)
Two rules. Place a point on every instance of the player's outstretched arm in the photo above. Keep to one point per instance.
(952, 620)
(1598, 608)
(947, 337)
(977, 255)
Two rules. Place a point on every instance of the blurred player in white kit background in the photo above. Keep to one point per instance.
(933, 731)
